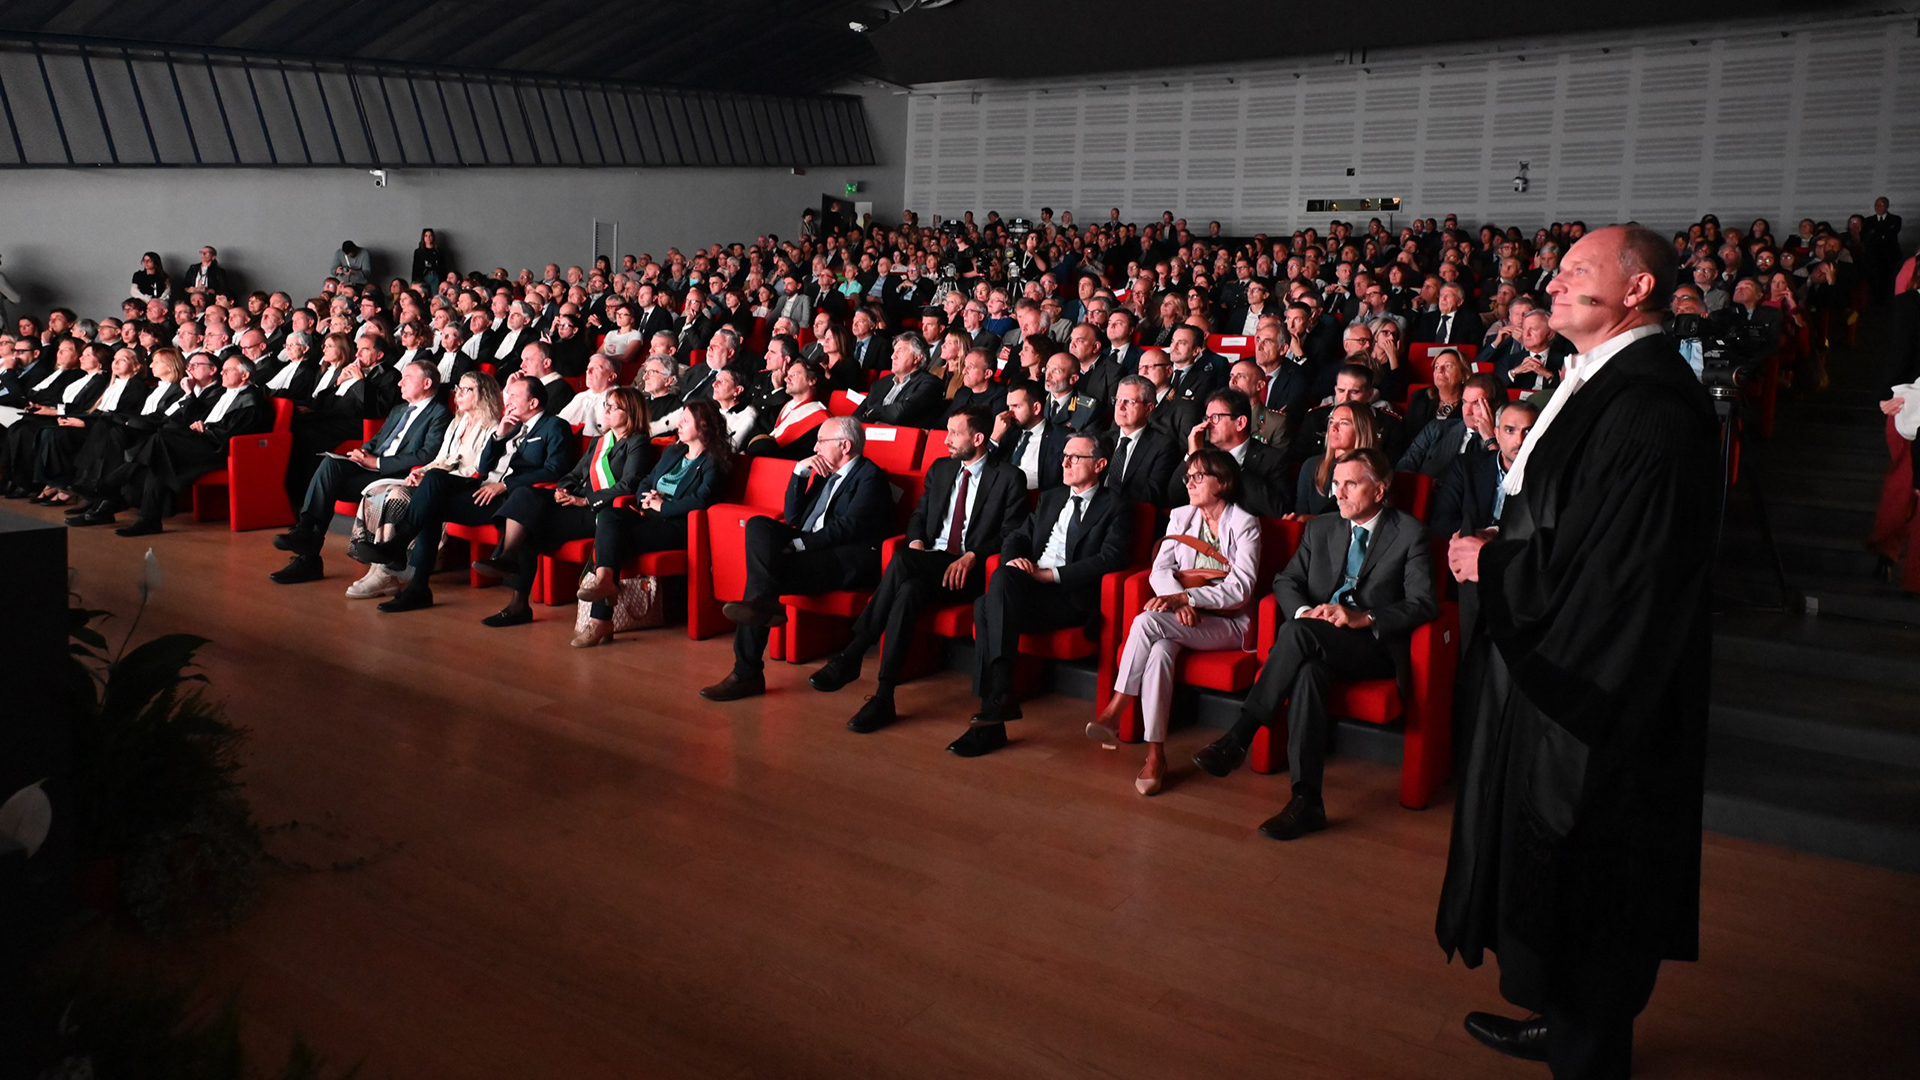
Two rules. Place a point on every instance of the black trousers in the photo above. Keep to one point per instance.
(104, 450)
(332, 481)
(547, 524)
(439, 499)
(1307, 655)
(1017, 604)
(165, 465)
(912, 581)
(773, 570)
(1589, 998)
(22, 448)
(619, 535)
(315, 433)
(56, 454)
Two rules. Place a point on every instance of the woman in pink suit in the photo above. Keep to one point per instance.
(1203, 598)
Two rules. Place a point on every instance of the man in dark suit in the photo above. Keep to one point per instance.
(1533, 359)
(536, 363)
(977, 389)
(1576, 842)
(1227, 424)
(1356, 588)
(1095, 376)
(695, 328)
(410, 437)
(1467, 497)
(909, 396)
(1144, 459)
(1173, 415)
(722, 349)
(649, 317)
(1119, 346)
(963, 517)
(1245, 319)
(208, 275)
(1881, 238)
(1023, 439)
(1450, 323)
(1049, 578)
(1352, 385)
(171, 459)
(839, 508)
(500, 346)
(1196, 372)
(531, 446)
(1469, 429)
(1064, 407)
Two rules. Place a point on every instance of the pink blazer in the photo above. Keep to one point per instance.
(1230, 597)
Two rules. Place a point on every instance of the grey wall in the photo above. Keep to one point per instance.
(75, 236)
(1779, 119)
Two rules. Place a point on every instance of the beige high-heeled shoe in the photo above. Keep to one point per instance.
(598, 632)
(1150, 785)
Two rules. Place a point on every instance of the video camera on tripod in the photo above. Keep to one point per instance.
(1729, 356)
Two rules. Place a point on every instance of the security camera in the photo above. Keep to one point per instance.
(1520, 180)
(379, 177)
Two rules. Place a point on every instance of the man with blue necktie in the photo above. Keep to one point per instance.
(1356, 589)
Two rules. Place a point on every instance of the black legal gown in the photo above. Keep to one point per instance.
(1577, 826)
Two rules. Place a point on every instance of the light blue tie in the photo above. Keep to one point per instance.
(1356, 556)
(820, 508)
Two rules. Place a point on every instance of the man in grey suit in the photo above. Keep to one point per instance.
(1351, 597)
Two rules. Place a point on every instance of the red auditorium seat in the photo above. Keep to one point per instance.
(254, 479)
(721, 570)
(895, 449)
(1230, 344)
(843, 402)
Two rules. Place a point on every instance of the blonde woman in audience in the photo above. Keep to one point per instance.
(476, 414)
(1349, 427)
(1203, 598)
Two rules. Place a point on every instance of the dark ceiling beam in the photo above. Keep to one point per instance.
(249, 30)
(486, 49)
(76, 17)
(400, 38)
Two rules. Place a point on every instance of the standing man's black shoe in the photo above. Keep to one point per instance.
(834, 674)
(874, 715)
(1303, 814)
(300, 568)
(140, 527)
(735, 686)
(979, 739)
(1525, 1039)
(409, 599)
(1220, 757)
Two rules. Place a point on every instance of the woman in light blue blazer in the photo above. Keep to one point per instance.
(1203, 598)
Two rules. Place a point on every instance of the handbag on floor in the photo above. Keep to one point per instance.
(636, 605)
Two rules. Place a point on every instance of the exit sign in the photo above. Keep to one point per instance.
(853, 187)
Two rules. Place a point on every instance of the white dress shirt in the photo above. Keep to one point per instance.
(1580, 367)
(972, 473)
(221, 407)
(1054, 555)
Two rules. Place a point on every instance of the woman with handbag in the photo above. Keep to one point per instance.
(476, 413)
(536, 519)
(690, 476)
(1203, 586)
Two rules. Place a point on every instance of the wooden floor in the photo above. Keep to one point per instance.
(592, 872)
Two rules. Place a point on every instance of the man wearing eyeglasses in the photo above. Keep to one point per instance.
(839, 508)
(1049, 579)
(1227, 425)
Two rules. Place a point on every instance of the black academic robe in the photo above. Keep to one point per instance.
(1577, 830)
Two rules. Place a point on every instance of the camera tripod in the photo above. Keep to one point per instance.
(1733, 446)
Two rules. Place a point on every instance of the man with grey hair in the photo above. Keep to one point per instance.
(839, 508)
(909, 395)
(500, 346)
(1451, 322)
(721, 350)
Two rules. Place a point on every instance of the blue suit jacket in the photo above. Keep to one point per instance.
(861, 514)
(543, 456)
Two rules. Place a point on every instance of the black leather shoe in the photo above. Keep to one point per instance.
(874, 715)
(982, 739)
(408, 599)
(15, 491)
(95, 515)
(995, 711)
(509, 616)
(140, 527)
(81, 508)
(1524, 1039)
(834, 674)
(1220, 757)
(372, 554)
(300, 568)
(495, 567)
(1303, 814)
(767, 613)
(734, 687)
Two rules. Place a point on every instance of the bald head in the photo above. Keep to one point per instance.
(1611, 281)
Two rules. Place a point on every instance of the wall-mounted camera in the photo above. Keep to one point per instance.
(1520, 180)
(379, 177)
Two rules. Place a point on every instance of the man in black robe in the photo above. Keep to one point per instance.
(1576, 839)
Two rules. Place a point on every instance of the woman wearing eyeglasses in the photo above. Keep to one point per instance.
(1203, 598)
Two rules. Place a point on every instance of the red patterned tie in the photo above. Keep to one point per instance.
(957, 529)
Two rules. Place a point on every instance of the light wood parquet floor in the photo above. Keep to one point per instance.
(588, 871)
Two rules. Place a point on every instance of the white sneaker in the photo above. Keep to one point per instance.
(378, 581)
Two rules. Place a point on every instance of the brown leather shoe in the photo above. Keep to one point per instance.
(734, 687)
(600, 586)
